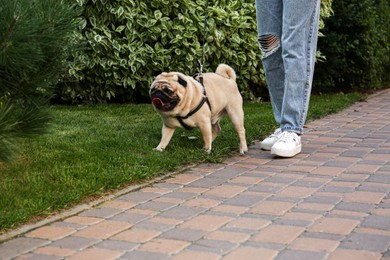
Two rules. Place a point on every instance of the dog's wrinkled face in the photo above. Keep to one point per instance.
(166, 90)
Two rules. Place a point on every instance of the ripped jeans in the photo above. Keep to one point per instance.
(288, 31)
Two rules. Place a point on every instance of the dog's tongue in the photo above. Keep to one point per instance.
(157, 102)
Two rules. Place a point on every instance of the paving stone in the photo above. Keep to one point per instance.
(286, 199)
(20, 245)
(54, 251)
(136, 235)
(213, 246)
(338, 226)
(293, 222)
(76, 243)
(251, 253)
(243, 200)
(280, 234)
(297, 192)
(206, 222)
(207, 183)
(367, 242)
(96, 253)
(225, 191)
(184, 178)
(51, 232)
(181, 212)
(277, 179)
(184, 234)
(117, 245)
(353, 206)
(153, 225)
(231, 236)
(180, 195)
(376, 187)
(262, 187)
(300, 255)
(358, 154)
(164, 246)
(323, 236)
(314, 244)
(143, 255)
(33, 256)
(190, 254)
(100, 212)
(323, 199)
(138, 196)
(341, 254)
(248, 223)
(315, 208)
(103, 230)
(364, 197)
(337, 189)
(313, 184)
(276, 208)
(158, 206)
(130, 217)
(83, 220)
(228, 172)
(380, 178)
(335, 163)
(379, 222)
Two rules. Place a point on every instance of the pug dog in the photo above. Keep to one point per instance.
(183, 101)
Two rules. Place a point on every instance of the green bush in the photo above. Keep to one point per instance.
(356, 46)
(129, 42)
(33, 40)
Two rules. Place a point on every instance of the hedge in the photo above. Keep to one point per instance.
(356, 46)
(128, 42)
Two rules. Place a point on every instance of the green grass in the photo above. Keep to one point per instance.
(91, 150)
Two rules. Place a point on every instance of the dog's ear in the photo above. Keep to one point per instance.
(182, 81)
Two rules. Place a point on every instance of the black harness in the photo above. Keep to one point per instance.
(196, 109)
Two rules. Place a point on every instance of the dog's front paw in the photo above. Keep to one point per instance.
(208, 151)
(159, 149)
(243, 151)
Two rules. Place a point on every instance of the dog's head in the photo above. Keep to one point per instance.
(167, 90)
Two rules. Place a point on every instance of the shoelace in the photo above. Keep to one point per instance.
(286, 137)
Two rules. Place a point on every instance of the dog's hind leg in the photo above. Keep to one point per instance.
(236, 116)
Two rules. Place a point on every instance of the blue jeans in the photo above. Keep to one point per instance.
(287, 33)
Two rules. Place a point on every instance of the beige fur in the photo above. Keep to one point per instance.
(223, 95)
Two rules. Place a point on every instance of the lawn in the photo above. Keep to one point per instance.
(92, 150)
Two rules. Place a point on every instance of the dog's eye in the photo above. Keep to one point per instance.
(168, 91)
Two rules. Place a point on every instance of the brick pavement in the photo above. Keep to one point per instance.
(330, 202)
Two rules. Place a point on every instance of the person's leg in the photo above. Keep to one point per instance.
(299, 43)
(269, 23)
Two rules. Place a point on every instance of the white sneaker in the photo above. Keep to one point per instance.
(288, 145)
(268, 142)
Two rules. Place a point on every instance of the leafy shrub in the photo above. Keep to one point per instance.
(356, 46)
(128, 42)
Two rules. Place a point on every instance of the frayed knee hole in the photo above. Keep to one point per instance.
(269, 44)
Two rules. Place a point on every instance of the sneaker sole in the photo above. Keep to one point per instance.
(287, 154)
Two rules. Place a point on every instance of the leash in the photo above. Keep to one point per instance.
(199, 76)
(204, 42)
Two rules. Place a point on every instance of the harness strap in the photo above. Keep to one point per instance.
(196, 109)
(181, 118)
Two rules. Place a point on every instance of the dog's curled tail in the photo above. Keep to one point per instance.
(226, 71)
